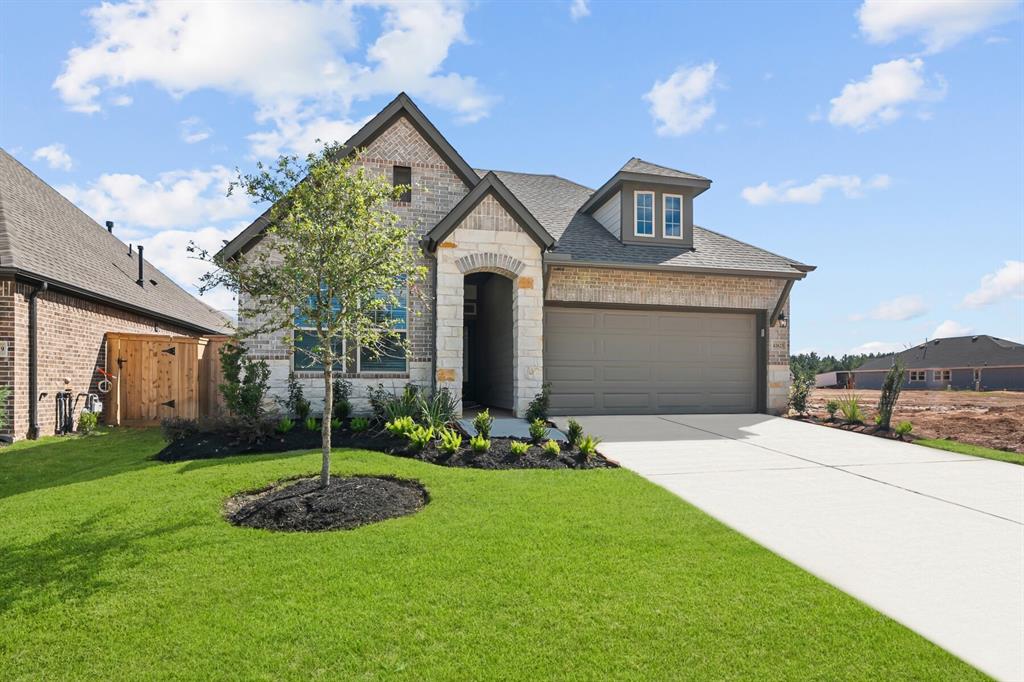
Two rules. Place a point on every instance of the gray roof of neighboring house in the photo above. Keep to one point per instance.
(638, 165)
(958, 351)
(555, 202)
(46, 237)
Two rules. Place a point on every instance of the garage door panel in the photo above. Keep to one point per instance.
(571, 319)
(567, 373)
(624, 321)
(613, 401)
(567, 402)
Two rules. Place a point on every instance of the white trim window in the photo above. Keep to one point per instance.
(916, 375)
(643, 214)
(943, 375)
(672, 216)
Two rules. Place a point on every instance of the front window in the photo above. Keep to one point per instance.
(644, 214)
(941, 374)
(673, 213)
(917, 375)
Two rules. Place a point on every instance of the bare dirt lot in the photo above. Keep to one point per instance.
(994, 419)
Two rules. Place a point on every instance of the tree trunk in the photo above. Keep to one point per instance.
(325, 425)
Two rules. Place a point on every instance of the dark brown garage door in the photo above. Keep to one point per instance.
(605, 361)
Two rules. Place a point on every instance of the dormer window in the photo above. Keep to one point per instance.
(672, 213)
(644, 223)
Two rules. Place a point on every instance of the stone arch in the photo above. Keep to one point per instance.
(490, 262)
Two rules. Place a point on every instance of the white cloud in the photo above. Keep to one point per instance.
(55, 155)
(167, 251)
(193, 130)
(877, 347)
(298, 135)
(288, 57)
(939, 24)
(896, 309)
(788, 192)
(950, 328)
(579, 9)
(1006, 282)
(122, 100)
(682, 104)
(881, 97)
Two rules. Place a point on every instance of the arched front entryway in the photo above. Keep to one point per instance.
(488, 342)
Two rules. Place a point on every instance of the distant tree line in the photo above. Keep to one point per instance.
(809, 364)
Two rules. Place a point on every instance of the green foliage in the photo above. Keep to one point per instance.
(541, 403)
(5, 393)
(574, 433)
(336, 423)
(479, 444)
(359, 424)
(387, 406)
(904, 428)
(588, 446)
(799, 391)
(518, 447)
(177, 428)
(341, 406)
(891, 388)
(420, 437)
(296, 404)
(450, 440)
(482, 422)
(851, 408)
(809, 364)
(285, 425)
(400, 426)
(88, 423)
(832, 406)
(551, 447)
(439, 409)
(311, 424)
(538, 430)
(245, 382)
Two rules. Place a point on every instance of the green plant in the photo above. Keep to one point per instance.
(451, 440)
(799, 391)
(904, 428)
(518, 447)
(388, 406)
(400, 426)
(88, 422)
(538, 407)
(359, 424)
(5, 393)
(420, 437)
(851, 408)
(891, 388)
(296, 403)
(551, 447)
(285, 425)
(538, 430)
(311, 424)
(336, 423)
(832, 406)
(439, 409)
(479, 444)
(341, 406)
(245, 382)
(588, 446)
(574, 433)
(482, 422)
(176, 428)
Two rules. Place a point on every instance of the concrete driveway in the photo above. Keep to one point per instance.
(935, 540)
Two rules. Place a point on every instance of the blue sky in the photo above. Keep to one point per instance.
(881, 141)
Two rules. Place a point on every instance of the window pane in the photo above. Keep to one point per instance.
(645, 214)
(391, 358)
(402, 175)
(306, 342)
(673, 217)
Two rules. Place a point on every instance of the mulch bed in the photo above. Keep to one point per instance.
(500, 457)
(348, 502)
(869, 429)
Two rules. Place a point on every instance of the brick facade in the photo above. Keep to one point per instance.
(71, 344)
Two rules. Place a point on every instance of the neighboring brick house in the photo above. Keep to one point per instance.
(612, 296)
(65, 282)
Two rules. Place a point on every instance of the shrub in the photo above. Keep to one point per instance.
(296, 404)
(176, 428)
(832, 406)
(551, 448)
(891, 388)
(482, 422)
(451, 440)
(359, 424)
(420, 437)
(400, 426)
(336, 423)
(588, 446)
(851, 408)
(538, 408)
(341, 406)
(904, 428)
(387, 406)
(538, 430)
(5, 393)
(87, 423)
(479, 444)
(518, 447)
(574, 433)
(311, 424)
(245, 382)
(285, 425)
(439, 409)
(799, 391)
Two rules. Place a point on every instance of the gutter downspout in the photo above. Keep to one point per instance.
(33, 362)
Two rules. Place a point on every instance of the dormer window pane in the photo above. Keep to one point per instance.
(645, 214)
(673, 212)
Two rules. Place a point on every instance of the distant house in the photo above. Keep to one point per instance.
(981, 363)
(65, 283)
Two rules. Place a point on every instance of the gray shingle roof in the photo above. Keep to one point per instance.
(555, 201)
(957, 351)
(45, 236)
(638, 165)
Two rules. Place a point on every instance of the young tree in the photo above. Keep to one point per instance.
(335, 258)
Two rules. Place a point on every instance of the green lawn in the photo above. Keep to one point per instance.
(974, 450)
(113, 566)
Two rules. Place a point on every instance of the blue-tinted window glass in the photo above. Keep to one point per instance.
(645, 214)
(673, 217)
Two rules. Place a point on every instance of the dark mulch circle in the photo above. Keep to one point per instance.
(348, 502)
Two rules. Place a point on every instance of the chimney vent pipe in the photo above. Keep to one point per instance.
(141, 281)
(110, 226)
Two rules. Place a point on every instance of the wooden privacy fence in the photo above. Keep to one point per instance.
(157, 376)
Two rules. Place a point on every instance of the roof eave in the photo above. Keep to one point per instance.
(556, 258)
(615, 183)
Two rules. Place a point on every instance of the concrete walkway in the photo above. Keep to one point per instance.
(933, 539)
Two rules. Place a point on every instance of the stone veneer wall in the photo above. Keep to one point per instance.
(436, 190)
(490, 240)
(655, 287)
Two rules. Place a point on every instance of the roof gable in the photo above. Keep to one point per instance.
(958, 351)
(638, 170)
